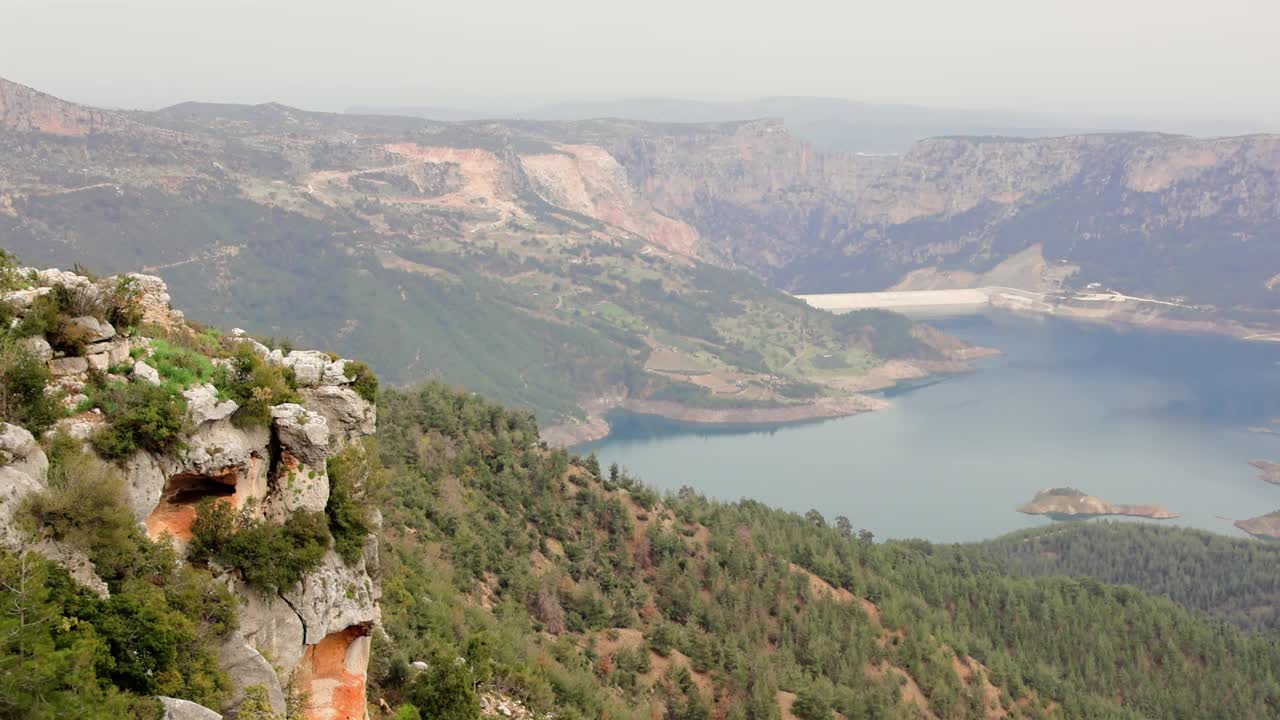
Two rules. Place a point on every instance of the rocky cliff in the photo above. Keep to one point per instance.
(268, 460)
(1141, 212)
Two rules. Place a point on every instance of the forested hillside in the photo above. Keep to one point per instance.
(1237, 580)
(524, 270)
(576, 589)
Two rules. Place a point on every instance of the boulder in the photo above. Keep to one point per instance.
(220, 448)
(335, 373)
(20, 451)
(203, 406)
(334, 597)
(39, 348)
(303, 433)
(23, 299)
(15, 486)
(80, 427)
(246, 667)
(93, 329)
(259, 348)
(54, 277)
(76, 563)
(60, 367)
(24, 470)
(118, 351)
(175, 709)
(308, 366)
(145, 373)
(349, 416)
(98, 361)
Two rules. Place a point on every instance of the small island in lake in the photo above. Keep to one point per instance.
(1267, 470)
(1073, 504)
(1264, 527)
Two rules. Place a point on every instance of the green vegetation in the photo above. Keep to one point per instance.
(66, 652)
(139, 417)
(1235, 579)
(364, 382)
(256, 386)
(356, 480)
(553, 550)
(23, 400)
(267, 555)
(180, 367)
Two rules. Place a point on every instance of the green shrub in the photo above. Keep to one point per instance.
(10, 278)
(160, 626)
(447, 687)
(85, 507)
(267, 555)
(43, 318)
(139, 416)
(364, 382)
(124, 304)
(356, 481)
(256, 385)
(23, 400)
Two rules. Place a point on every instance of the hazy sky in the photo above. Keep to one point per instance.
(1174, 56)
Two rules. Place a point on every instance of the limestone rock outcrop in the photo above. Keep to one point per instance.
(175, 709)
(314, 635)
(24, 470)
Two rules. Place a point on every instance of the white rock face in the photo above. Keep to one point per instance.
(203, 405)
(334, 597)
(308, 366)
(175, 709)
(98, 362)
(335, 373)
(54, 277)
(26, 470)
(144, 482)
(62, 367)
(217, 447)
(95, 330)
(349, 416)
(79, 428)
(145, 373)
(24, 299)
(20, 451)
(247, 667)
(303, 433)
(15, 486)
(269, 624)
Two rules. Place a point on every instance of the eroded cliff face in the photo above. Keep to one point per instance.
(1140, 211)
(27, 110)
(312, 639)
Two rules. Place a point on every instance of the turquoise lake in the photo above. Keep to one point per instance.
(1131, 416)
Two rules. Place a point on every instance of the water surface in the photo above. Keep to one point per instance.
(1127, 415)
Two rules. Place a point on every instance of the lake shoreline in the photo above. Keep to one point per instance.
(860, 394)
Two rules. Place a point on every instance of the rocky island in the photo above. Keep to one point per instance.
(1073, 504)
(1267, 471)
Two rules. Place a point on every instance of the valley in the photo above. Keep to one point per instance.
(578, 267)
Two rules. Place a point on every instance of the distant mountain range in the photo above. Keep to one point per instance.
(574, 266)
(835, 124)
